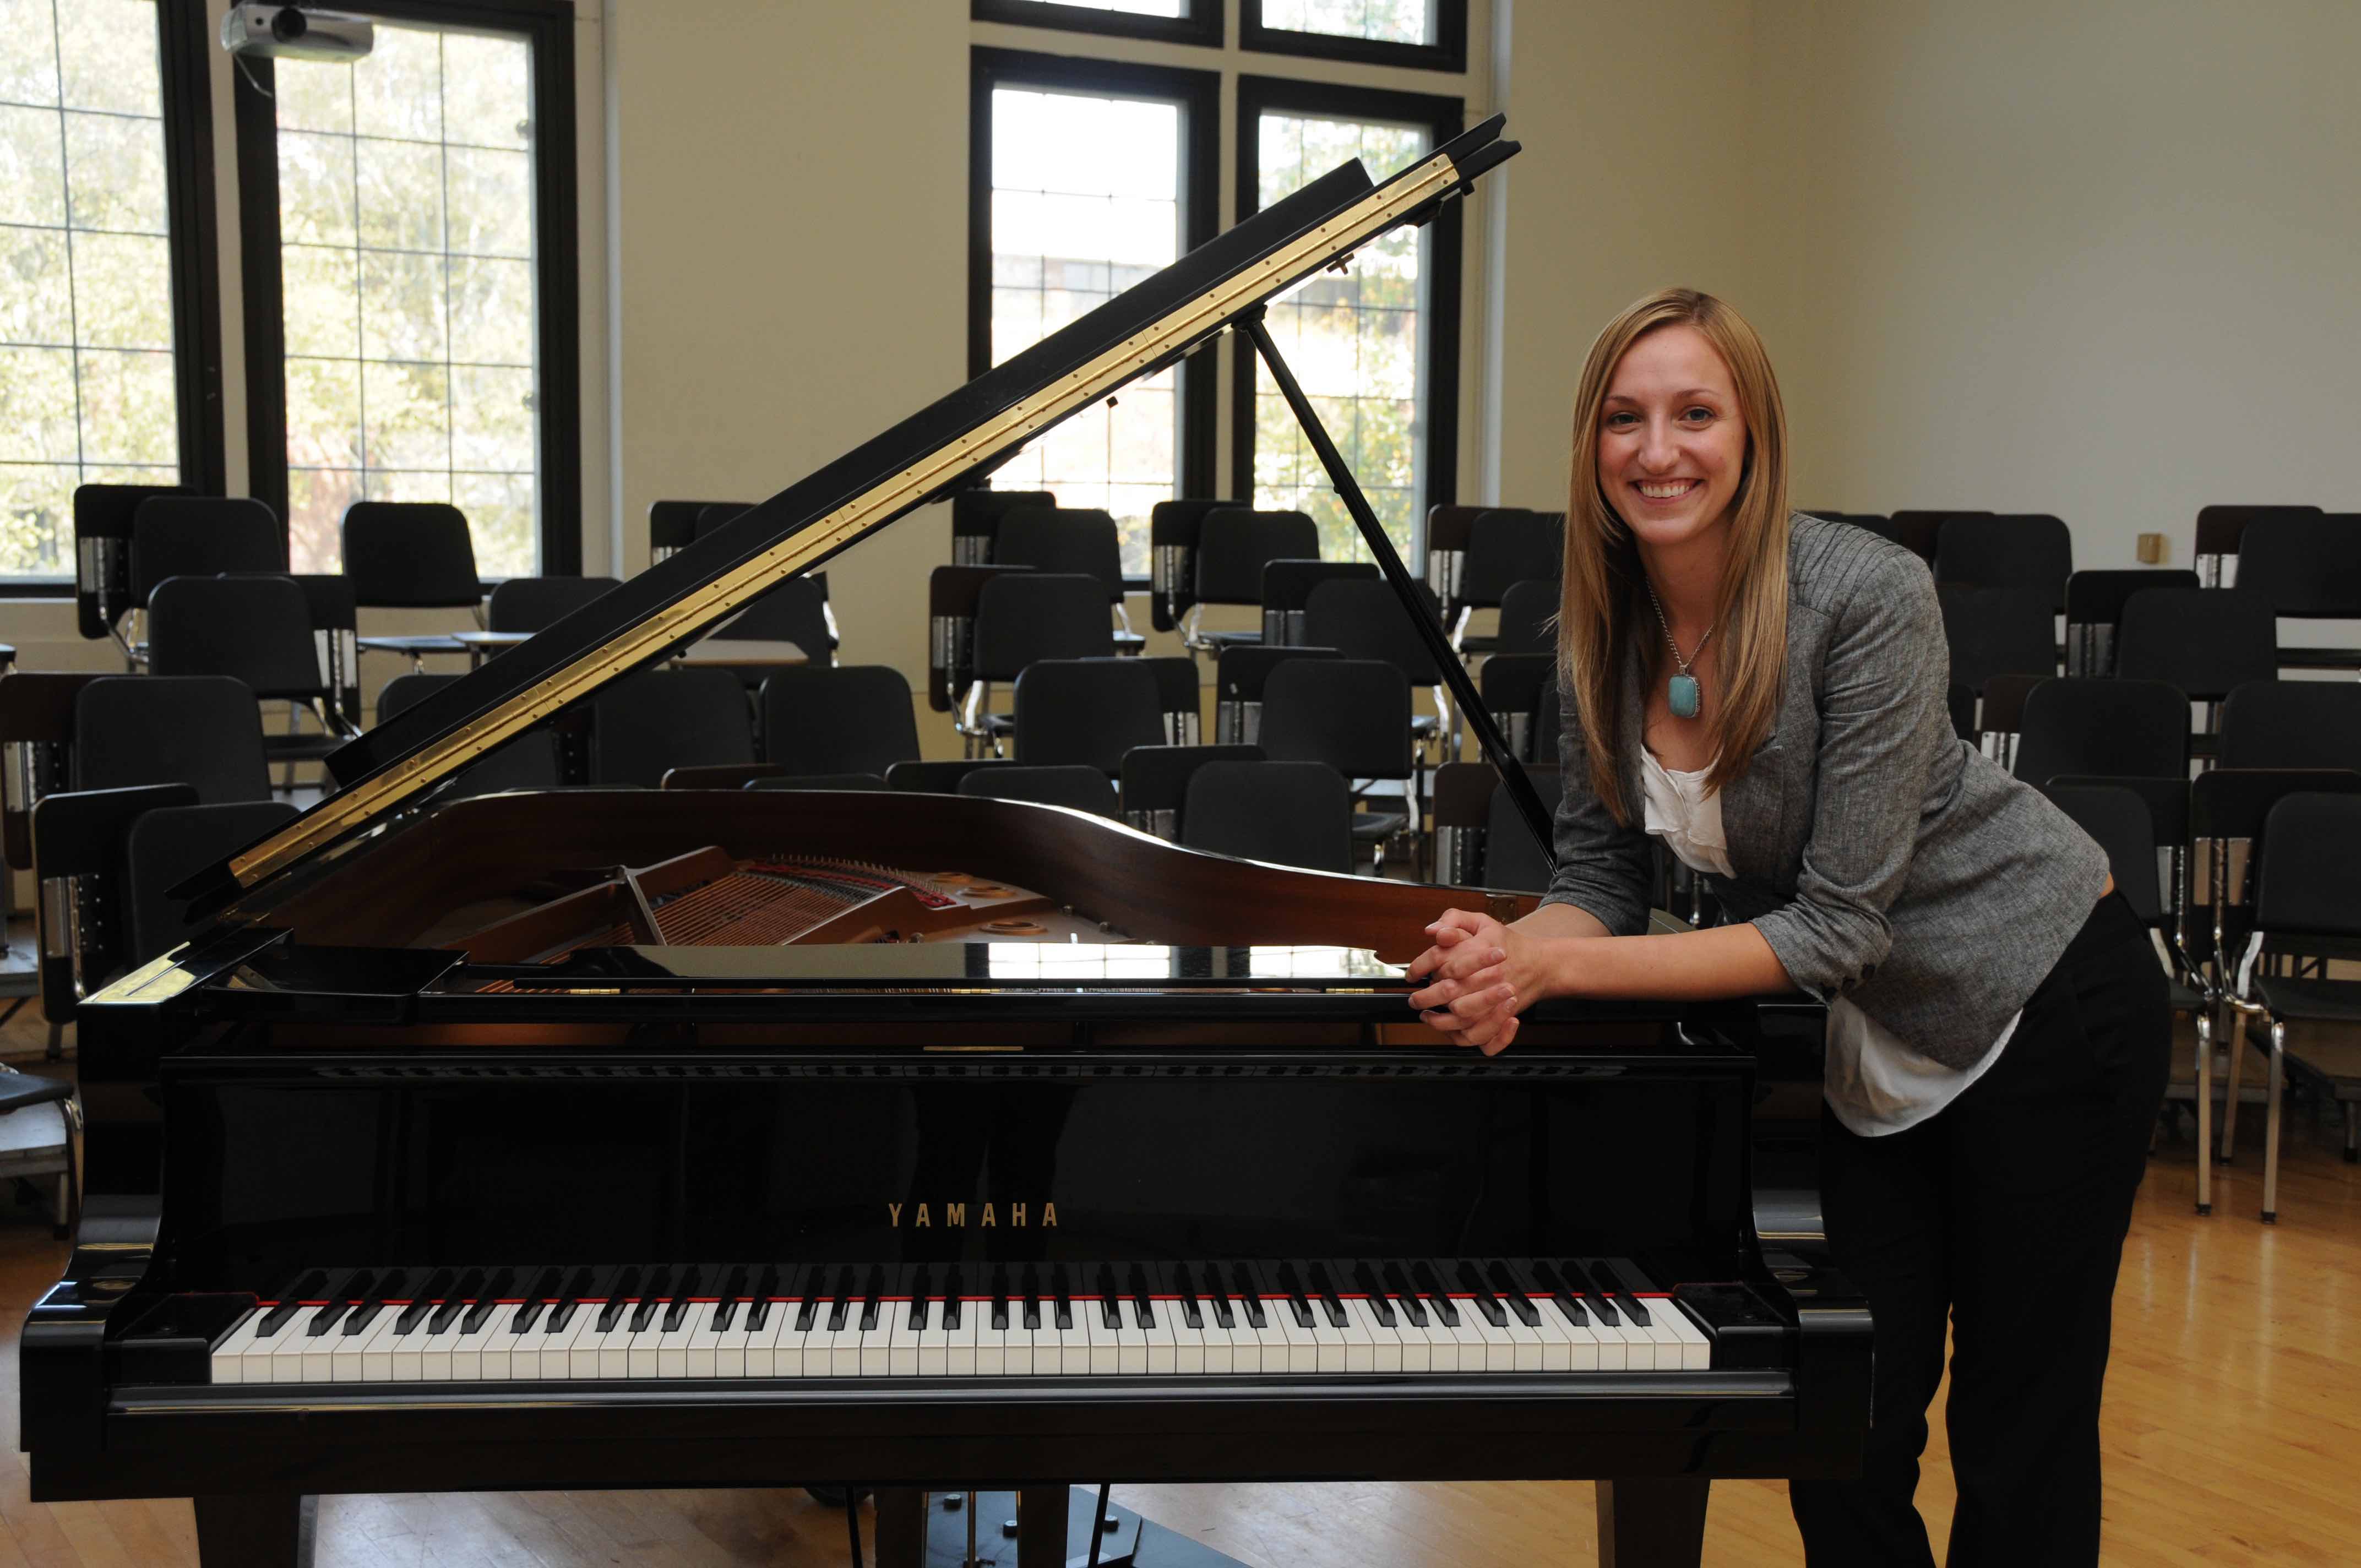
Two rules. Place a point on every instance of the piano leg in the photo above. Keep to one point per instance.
(1652, 1522)
(1042, 1527)
(902, 1526)
(273, 1530)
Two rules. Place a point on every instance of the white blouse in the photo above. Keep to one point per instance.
(1874, 1082)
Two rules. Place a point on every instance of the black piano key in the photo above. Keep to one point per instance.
(1143, 1297)
(570, 1295)
(428, 1296)
(1480, 1294)
(954, 1298)
(1405, 1294)
(489, 1297)
(840, 1299)
(1325, 1291)
(683, 1294)
(1247, 1290)
(922, 1295)
(1429, 1282)
(1561, 1294)
(1364, 1276)
(542, 1292)
(303, 1288)
(620, 1296)
(1110, 1298)
(1610, 1283)
(1513, 1291)
(1578, 1279)
(365, 1310)
(336, 1300)
(767, 1287)
(872, 1297)
(733, 1289)
(455, 1300)
(1283, 1280)
(654, 1290)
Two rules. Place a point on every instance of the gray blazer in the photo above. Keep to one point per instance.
(1883, 858)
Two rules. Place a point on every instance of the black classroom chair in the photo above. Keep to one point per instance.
(838, 718)
(1997, 630)
(1233, 545)
(1154, 783)
(1506, 547)
(2095, 612)
(648, 723)
(1066, 541)
(1528, 618)
(1353, 715)
(202, 536)
(536, 604)
(256, 630)
(1088, 711)
(166, 847)
(2310, 568)
(411, 556)
(1076, 785)
(2207, 641)
(1363, 618)
(530, 760)
(1286, 813)
(2220, 534)
(200, 730)
(2103, 728)
(2014, 549)
(1021, 618)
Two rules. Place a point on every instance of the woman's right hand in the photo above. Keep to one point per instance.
(1470, 993)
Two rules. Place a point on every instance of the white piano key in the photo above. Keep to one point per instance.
(1360, 1346)
(1500, 1349)
(258, 1359)
(643, 1352)
(1160, 1350)
(935, 1341)
(1302, 1341)
(1658, 1328)
(1327, 1338)
(877, 1340)
(1555, 1334)
(959, 1345)
(832, 1352)
(1130, 1340)
(434, 1359)
(1696, 1350)
(1073, 1338)
(901, 1339)
(226, 1364)
(1472, 1352)
(496, 1361)
(1017, 1349)
(701, 1357)
(605, 1353)
(556, 1345)
(1223, 1354)
(1417, 1340)
(1105, 1343)
(991, 1342)
(409, 1350)
(1639, 1346)
(1525, 1342)
(730, 1357)
(377, 1355)
(1188, 1340)
(467, 1352)
(1272, 1333)
(780, 1348)
(1384, 1343)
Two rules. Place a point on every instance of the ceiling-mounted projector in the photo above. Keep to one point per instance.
(288, 32)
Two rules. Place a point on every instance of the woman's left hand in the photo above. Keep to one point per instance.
(1477, 976)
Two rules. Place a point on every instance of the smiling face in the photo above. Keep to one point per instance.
(1671, 439)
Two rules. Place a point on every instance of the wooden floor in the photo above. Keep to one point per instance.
(2232, 1432)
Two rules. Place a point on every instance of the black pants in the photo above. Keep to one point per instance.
(2005, 1211)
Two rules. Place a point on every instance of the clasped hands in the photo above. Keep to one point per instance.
(1474, 977)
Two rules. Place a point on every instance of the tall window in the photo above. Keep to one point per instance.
(98, 314)
(1087, 191)
(415, 255)
(1172, 21)
(1431, 33)
(1375, 346)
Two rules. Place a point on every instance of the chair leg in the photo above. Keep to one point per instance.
(57, 1051)
(2351, 1131)
(2204, 1111)
(2272, 1124)
(2234, 1036)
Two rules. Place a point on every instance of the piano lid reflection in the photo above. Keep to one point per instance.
(716, 1138)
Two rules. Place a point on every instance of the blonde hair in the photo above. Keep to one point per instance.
(1604, 585)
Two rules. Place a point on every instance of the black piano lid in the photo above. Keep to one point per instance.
(396, 763)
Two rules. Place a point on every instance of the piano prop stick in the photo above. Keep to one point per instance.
(714, 1137)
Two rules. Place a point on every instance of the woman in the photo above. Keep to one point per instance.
(1766, 694)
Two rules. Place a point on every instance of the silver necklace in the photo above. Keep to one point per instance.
(1681, 692)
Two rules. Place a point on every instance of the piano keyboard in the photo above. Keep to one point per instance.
(914, 1321)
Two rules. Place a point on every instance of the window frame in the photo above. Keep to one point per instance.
(1444, 117)
(1202, 26)
(547, 26)
(1200, 94)
(1448, 53)
(183, 39)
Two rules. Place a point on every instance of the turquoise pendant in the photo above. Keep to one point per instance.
(1681, 692)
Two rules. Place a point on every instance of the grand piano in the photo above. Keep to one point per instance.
(597, 1139)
